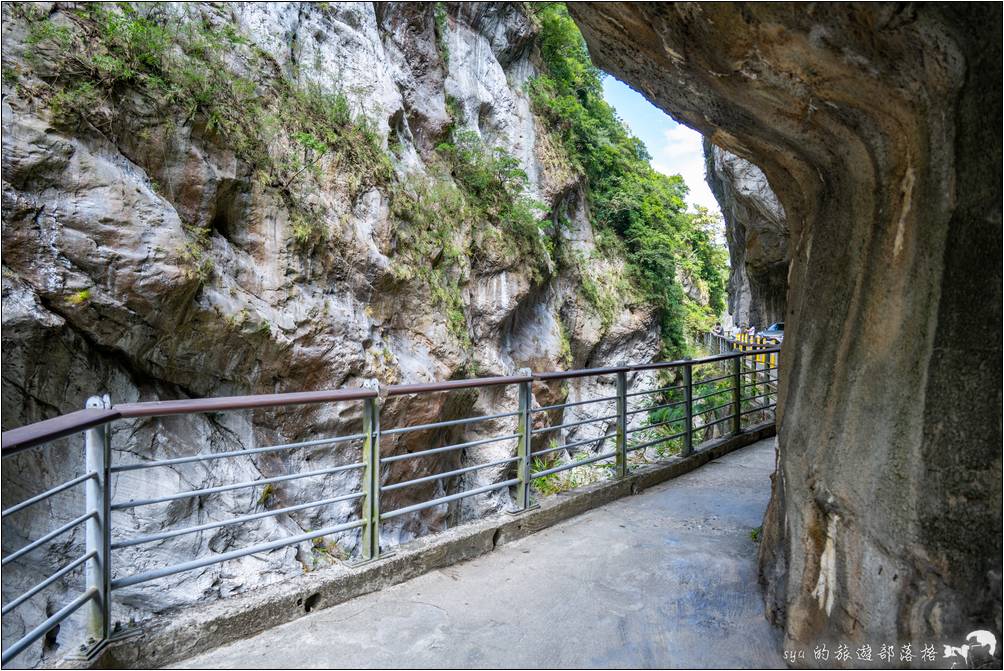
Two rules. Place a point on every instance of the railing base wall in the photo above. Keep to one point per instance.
(181, 634)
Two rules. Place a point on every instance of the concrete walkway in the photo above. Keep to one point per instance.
(666, 578)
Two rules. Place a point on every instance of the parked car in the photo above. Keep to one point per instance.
(775, 331)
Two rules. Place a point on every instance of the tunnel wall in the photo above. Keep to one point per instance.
(879, 128)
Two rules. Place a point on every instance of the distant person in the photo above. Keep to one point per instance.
(751, 330)
(717, 330)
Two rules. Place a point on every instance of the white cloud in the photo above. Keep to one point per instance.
(682, 154)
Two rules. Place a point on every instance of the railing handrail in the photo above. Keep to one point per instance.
(30, 435)
(249, 402)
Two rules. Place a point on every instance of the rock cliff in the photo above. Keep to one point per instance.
(878, 126)
(757, 237)
(204, 199)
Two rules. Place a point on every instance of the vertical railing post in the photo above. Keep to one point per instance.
(737, 369)
(523, 447)
(97, 533)
(688, 405)
(371, 479)
(772, 377)
(621, 424)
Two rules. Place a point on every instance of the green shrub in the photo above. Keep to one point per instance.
(495, 187)
(80, 297)
(572, 478)
(440, 16)
(472, 208)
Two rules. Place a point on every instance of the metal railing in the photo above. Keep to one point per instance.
(742, 342)
(693, 404)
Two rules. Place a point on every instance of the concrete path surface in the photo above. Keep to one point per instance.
(666, 578)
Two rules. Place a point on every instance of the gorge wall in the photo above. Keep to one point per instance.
(204, 199)
(757, 236)
(878, 126)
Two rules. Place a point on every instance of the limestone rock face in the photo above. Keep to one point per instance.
(878, 126)
(145, 259)
(757, 236)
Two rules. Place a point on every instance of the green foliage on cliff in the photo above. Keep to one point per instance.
(495, 187)
(472, 208)
(439, 13)
(99, 60)
(142, 76)
(431, 243)
(644, 207)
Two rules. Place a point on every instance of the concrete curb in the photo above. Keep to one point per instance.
(175, 635)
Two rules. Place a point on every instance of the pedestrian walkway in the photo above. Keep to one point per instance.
(666, 578)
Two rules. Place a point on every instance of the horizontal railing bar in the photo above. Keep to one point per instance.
(47, 537)
(764, 407)
(234, 453)
(37, 433)
(652, 426)
(654, 407)
(548, 451)
(757, 371)
(226, 488)
(69, 609)
(717, 407)
(446, 499)
(48, 581)
(565, 467)
(660, 365)
(227, 556)
(716, 393)
(220, 403)
(579, 443)
(749, 343)
(447, 448)
(140, 540)
(573, 404)
(753, 398)
(449, 422)
(584, 372)
(21, 438)
(548, 429)
(713, 379)
(447, 474)
(703, 360)
(768, 382)
(650, 443)
(717, 421)
(46, 494)
(402, 389)
(654, 391)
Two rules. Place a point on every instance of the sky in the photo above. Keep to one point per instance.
(675, 149)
